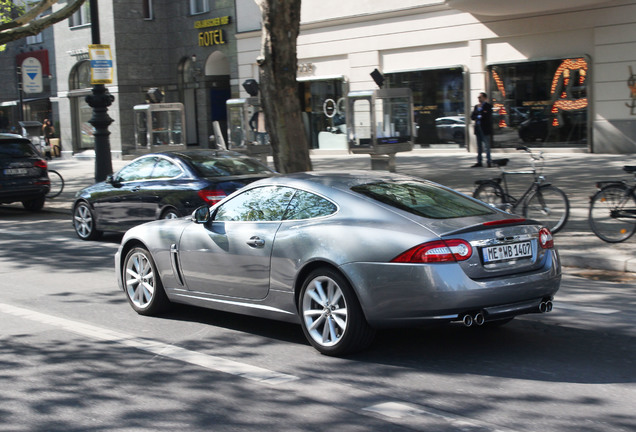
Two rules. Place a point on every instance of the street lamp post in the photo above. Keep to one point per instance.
(100, 100)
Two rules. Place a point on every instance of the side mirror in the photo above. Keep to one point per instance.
(112, 180)
(201, 215)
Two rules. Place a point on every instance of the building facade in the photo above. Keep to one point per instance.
(560, 73)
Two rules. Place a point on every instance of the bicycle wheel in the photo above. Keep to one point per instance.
(490, 193)
(606, 226)
(57, 184)
(550, 206)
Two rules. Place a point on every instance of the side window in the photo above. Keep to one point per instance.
(266, 203)
(138, 170)
(165, 169)
(306, 205)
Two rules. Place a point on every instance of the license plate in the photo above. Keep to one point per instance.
(15, 171)
(507, 252)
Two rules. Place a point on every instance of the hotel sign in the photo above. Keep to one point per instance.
(215, 36)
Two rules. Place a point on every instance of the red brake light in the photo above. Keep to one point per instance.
(40, 163)
(545, 238)
(504, 222)
(437, 251)
(211, 196)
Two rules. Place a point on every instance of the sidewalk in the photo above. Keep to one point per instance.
(574, 173)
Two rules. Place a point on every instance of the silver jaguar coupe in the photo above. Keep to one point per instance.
(343, 254)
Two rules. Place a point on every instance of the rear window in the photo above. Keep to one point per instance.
(220, 167)
(423, 199)
(16, 149)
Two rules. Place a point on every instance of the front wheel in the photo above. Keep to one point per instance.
(604, 217)
(143, 286)
(550, 206)
(490, 193)
(331, 316)
(84, 222)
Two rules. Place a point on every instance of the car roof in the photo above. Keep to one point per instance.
(343, 180)
(12, 137)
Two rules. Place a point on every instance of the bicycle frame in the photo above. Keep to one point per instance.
(537, 181)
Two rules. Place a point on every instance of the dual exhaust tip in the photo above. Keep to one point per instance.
(479, 319)
(469, 320)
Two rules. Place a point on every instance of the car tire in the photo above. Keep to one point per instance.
(331, 316)
(142, 283)
(35, 204)
(84, 222)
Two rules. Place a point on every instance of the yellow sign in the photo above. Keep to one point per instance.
(212, 37)
(101, 64)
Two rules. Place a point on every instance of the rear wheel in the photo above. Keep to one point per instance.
(57, 184)
(603, 217)
(490, 193)
(34, 204)
(550, 206)
(170, 214)
(84, 222)
(143, 286)
(331, 316)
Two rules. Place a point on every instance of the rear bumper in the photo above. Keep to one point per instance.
(411, 294)
(8, 196)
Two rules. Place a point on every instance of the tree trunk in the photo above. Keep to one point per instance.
(279, 89)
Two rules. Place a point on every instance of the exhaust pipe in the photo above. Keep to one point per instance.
(467, 320)
(479, 319)
(545, 306)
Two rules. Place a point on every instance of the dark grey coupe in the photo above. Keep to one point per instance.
(343, 254)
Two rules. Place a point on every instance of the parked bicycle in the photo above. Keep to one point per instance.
(57, 184)
(612, 214)
(541, 201)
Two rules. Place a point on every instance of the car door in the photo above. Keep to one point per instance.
(231, 255)
(118, 205)
(161, 182)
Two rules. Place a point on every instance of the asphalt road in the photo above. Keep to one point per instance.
(75, 357)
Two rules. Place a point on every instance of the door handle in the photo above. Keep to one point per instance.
(256, 241)
(136, 188)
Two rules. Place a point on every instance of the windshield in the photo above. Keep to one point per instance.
(227, 166)
(423, 199)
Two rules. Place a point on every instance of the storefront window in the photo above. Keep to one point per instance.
(439, 104)
(323, 113)
(542, 103)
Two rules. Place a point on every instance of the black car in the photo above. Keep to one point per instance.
(162, 185)
(23, 173)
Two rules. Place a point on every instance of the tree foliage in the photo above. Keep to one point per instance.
(279, 88)
(16, 22)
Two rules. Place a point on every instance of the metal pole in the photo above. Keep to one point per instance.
(20, 99)
(100, 100)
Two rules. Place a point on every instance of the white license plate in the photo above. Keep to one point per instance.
(15, 171)
(507, 252)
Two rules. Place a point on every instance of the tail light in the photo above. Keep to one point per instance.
(504, 222)
(437, 251)
(40, 163)
(545, 238)
(212, 196)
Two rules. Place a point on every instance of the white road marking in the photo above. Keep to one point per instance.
(243, 370)
(588, 309)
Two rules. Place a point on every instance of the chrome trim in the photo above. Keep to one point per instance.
(234, 303)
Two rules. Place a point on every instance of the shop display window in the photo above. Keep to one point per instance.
(439, 104)
(540, 103)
